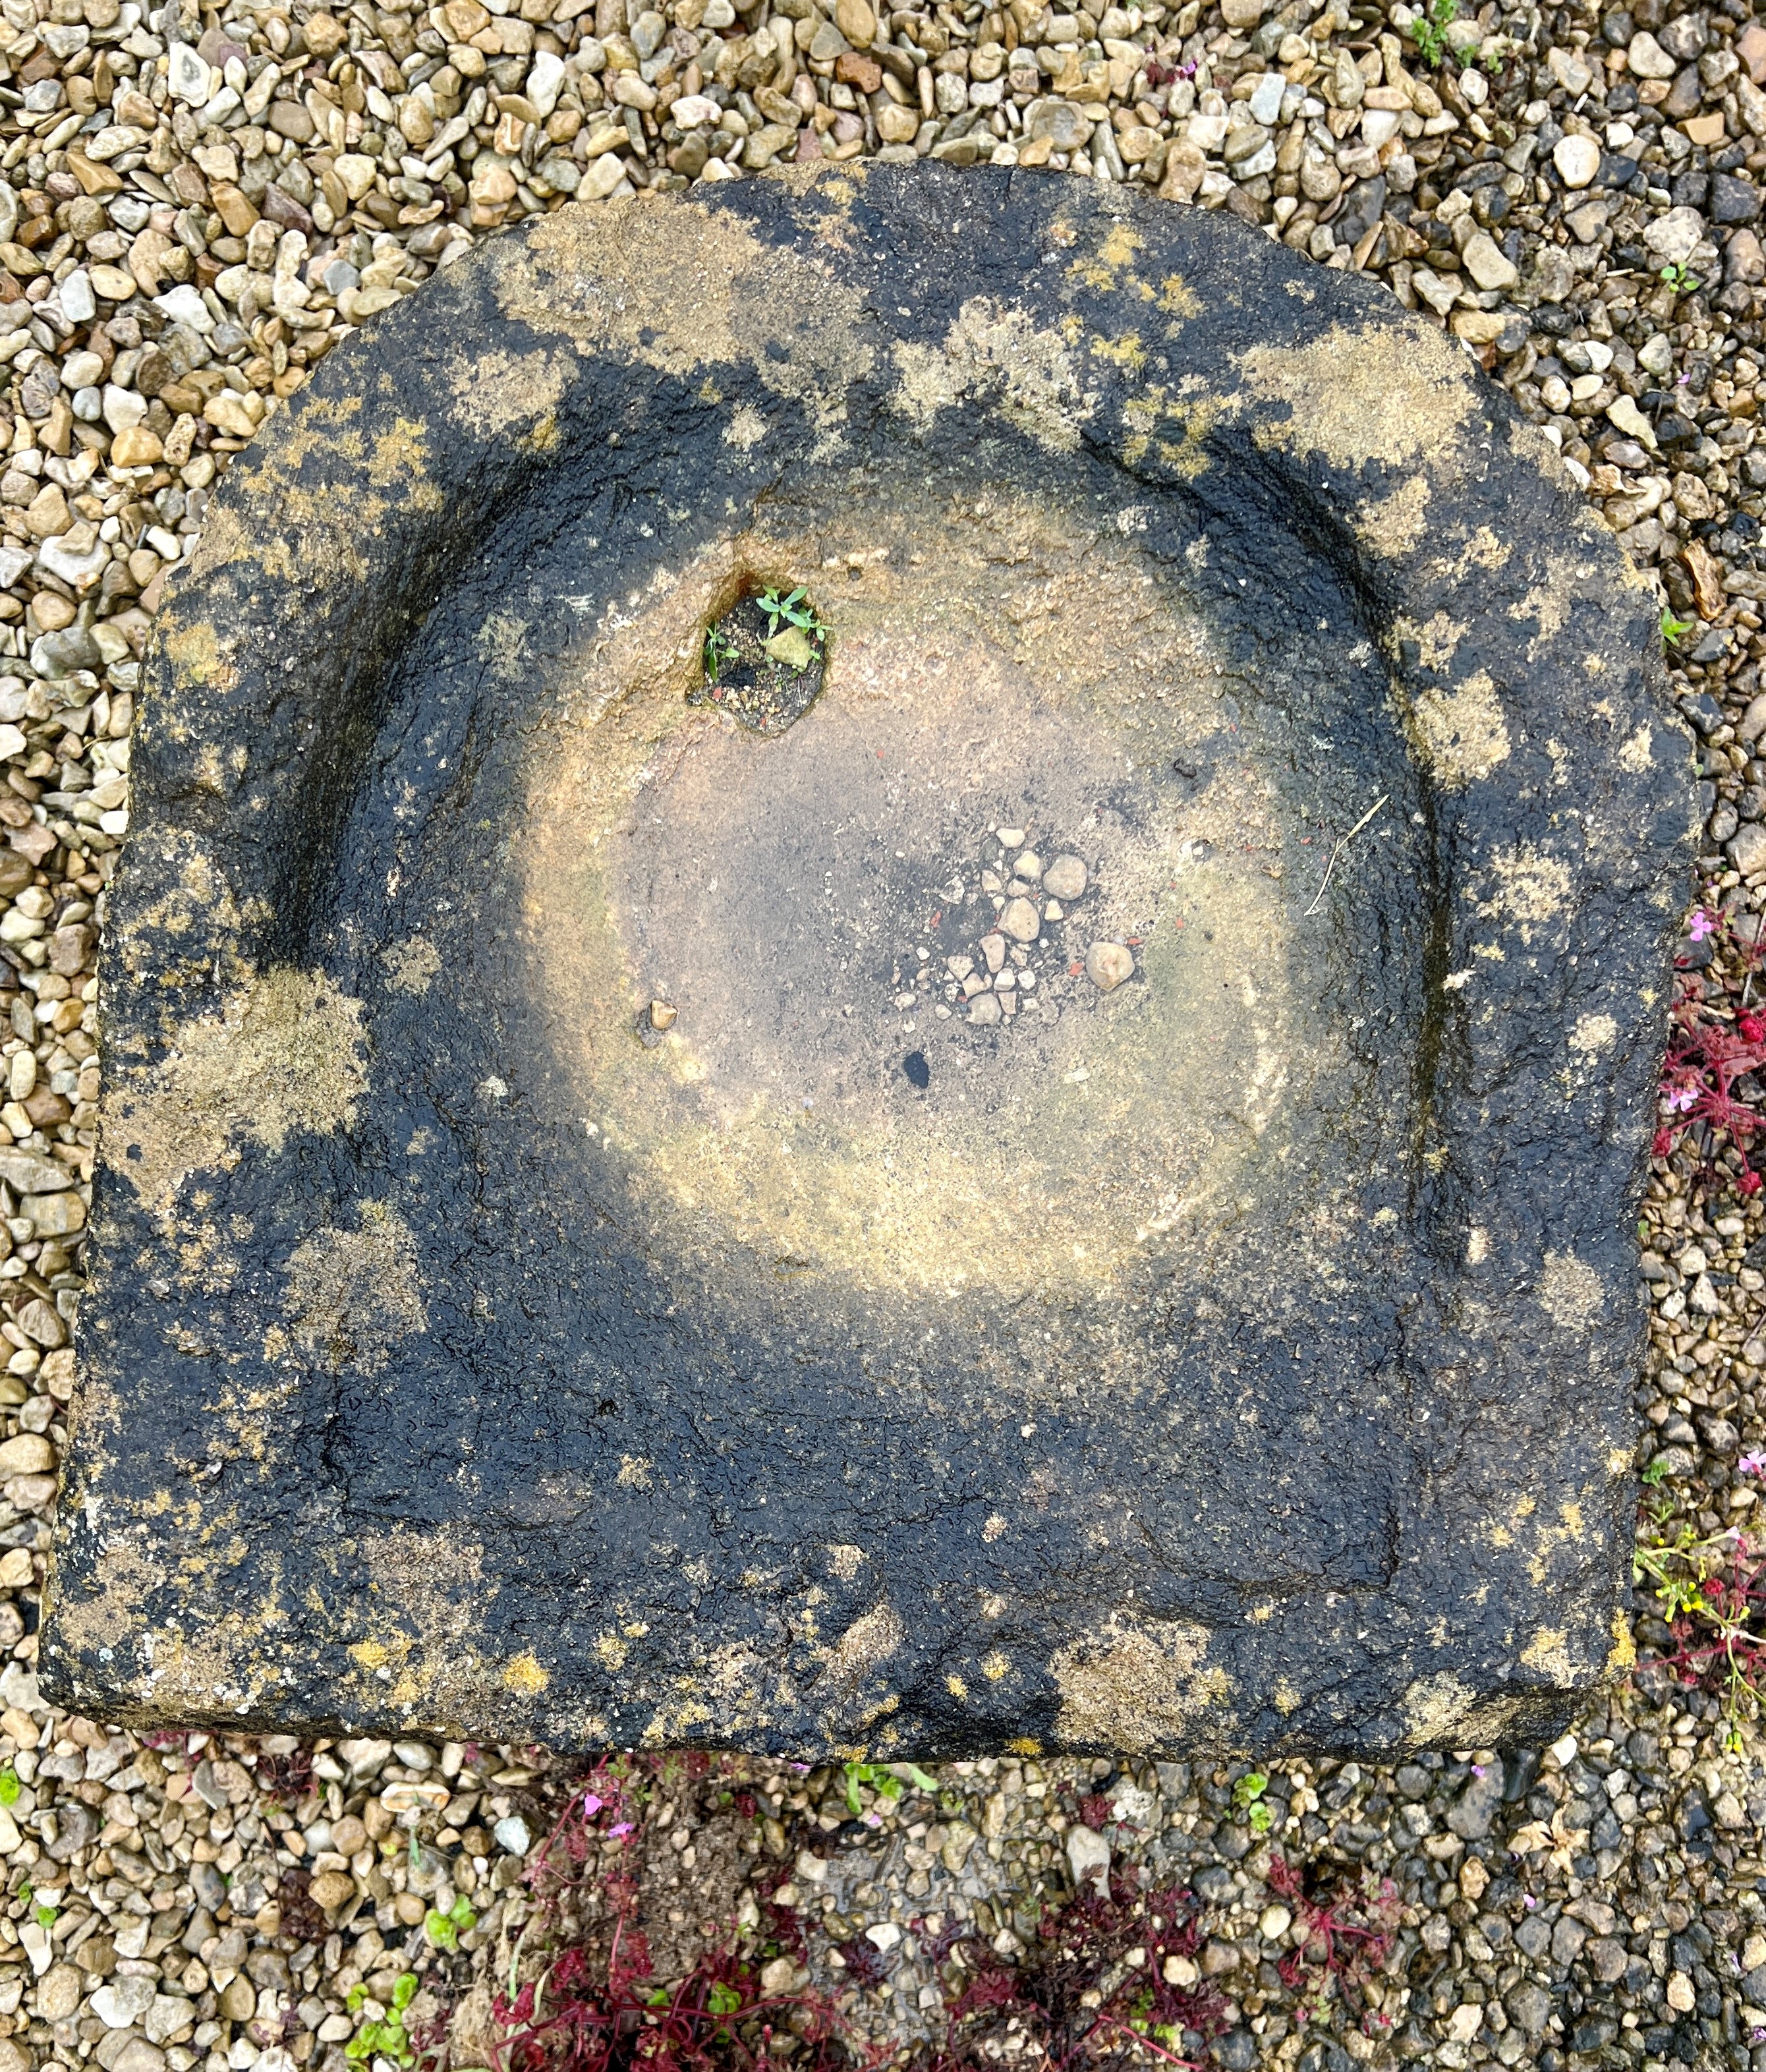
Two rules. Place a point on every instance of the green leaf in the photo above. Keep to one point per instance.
(1261, 1819)
(440, 1930)
(47, 1916)
(405, 1990)
(10, 1786)
(920, 1778)
(723, 1999)
(461, 1913)
(354, 1998)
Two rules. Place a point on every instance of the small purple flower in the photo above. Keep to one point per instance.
(1701, 925)
(1752, 1464)
(1477, 1770)
(591, 1805)
(620, 1827)
(873, 1820)
(1529, 1901)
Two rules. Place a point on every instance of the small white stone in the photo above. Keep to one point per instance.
(1577, 159)
(189, 78)
(1109, 965)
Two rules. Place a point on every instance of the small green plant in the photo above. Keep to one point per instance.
(1429, 32)
(1709, 1592)
(1655, 1474)
(10, 1786)
(1671, 628)
(1677, 278)
(720, 652)
(1248, 1799)
(791, 610)
(883, 1783)
(444, 1930)
(386, 2038)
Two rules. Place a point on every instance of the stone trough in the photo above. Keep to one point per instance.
(889, 979)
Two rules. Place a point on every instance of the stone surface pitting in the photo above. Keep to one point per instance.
(1238, 1355)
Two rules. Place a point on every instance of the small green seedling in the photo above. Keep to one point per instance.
(1429, 32)
(1671, 628)
(444, 1930)
(1677, 278)
(387, 2038)
(883, 1783)
(10, 1786)
(791, 610)
(1248, 1798)
(719, 652)
(1655, 1474)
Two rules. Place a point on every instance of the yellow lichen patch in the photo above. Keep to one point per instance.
(524, 1673)
(411, 965)
(1622, 1655)
(1393, 524)
(492, 391)
(1434, 1706)
(1636, 754)
(1532, 887)
(370, 1654)
(284, 1055)
(678, 288)
(1437, 640)
(746, 428)
(996, 1666)
(1285, 1698)
(353, 1294)
(992, 351)
(1133, 1685)
(635, 1471)
(223, 542)
(194, 651)
(503, 640)
(865, 1646)
(844, 1561)
(1025, 1745)
(1571, 1292)
(401, 451)
(956, 1687)
(1356, 396)
(1459, 730)
(1153, 411)
(1177, 298)
(1548, 1652)
(1126, 352)
(612, 1651)
(1594, 1034)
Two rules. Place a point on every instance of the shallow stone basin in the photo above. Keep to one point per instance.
(1071, 1186)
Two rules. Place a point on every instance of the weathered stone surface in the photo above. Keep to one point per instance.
(1240, 1356)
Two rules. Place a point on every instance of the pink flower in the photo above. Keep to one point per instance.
(1703, 925)
(591, 1805)
(1752, 1464)
(619, 1828)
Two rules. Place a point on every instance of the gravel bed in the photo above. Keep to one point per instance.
(194, 207)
